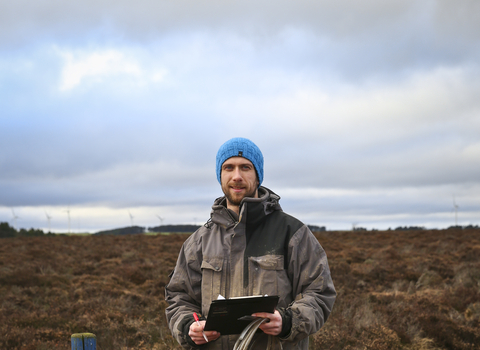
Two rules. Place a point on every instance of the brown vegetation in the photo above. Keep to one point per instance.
(403, 290)
(396, 290)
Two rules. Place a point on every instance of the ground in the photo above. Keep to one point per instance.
(396, 290)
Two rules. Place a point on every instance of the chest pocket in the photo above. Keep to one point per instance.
(213, 282)
(266, 275)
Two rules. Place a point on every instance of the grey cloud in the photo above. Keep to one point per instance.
(393, 23)
(342, 17)
(132, 184)
(350, 95)
(377, 207)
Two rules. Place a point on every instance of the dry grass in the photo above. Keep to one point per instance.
(112, 286)
(403, 290)
(396, 290)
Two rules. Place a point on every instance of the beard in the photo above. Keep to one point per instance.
(236, 200)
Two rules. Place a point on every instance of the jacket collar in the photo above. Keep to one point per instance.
(251, 209)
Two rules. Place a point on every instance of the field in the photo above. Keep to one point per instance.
(396, 290)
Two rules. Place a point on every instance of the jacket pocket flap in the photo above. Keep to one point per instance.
(212, 264)
(268, 262)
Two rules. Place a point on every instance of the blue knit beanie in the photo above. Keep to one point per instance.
(240, 147)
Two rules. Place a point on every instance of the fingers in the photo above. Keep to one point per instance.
(274, 325)
(271, 328)
(212, 335)
(196, 333)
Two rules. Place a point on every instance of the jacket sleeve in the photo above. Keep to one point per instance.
(183, 292)
(312, 285)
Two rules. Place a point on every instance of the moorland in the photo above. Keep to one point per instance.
(415, 289)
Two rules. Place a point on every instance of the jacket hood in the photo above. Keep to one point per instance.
(251, 209)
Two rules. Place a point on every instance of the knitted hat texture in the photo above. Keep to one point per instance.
(240, 147)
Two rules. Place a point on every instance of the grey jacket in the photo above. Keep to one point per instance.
(262, 251)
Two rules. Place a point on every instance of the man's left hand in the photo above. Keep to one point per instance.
(274, 327)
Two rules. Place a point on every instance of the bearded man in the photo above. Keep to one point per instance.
(249, 247)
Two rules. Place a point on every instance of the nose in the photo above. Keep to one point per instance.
(237, 175)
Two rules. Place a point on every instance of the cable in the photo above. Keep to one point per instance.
(247, 334)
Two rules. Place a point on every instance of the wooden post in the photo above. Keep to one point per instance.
(84, 341)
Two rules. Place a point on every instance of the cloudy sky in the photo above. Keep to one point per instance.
(367, 112)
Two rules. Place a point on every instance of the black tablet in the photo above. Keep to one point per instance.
(231, 316)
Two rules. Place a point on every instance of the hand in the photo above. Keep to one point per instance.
(196, 334)
(274, 327)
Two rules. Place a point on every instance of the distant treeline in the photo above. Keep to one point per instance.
(134, 230)
(175, 228)
(314, 228)
(130, 230)
(8, 231)
(417, 228)
(399, 228)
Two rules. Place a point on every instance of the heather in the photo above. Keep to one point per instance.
(415, 289)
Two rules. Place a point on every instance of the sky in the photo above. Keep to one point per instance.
(367, 112)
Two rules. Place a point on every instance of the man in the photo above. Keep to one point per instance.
(250, 247)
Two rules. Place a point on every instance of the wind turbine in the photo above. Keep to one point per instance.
(455, 209)
(161, 219)
(14, 219)
(48, 219)
(131, 218)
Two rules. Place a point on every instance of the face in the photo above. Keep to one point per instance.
(239, 180)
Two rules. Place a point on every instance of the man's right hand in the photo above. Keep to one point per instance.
(196, 334)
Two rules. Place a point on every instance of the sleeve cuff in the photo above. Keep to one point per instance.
(185, 327)
(286, 322)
